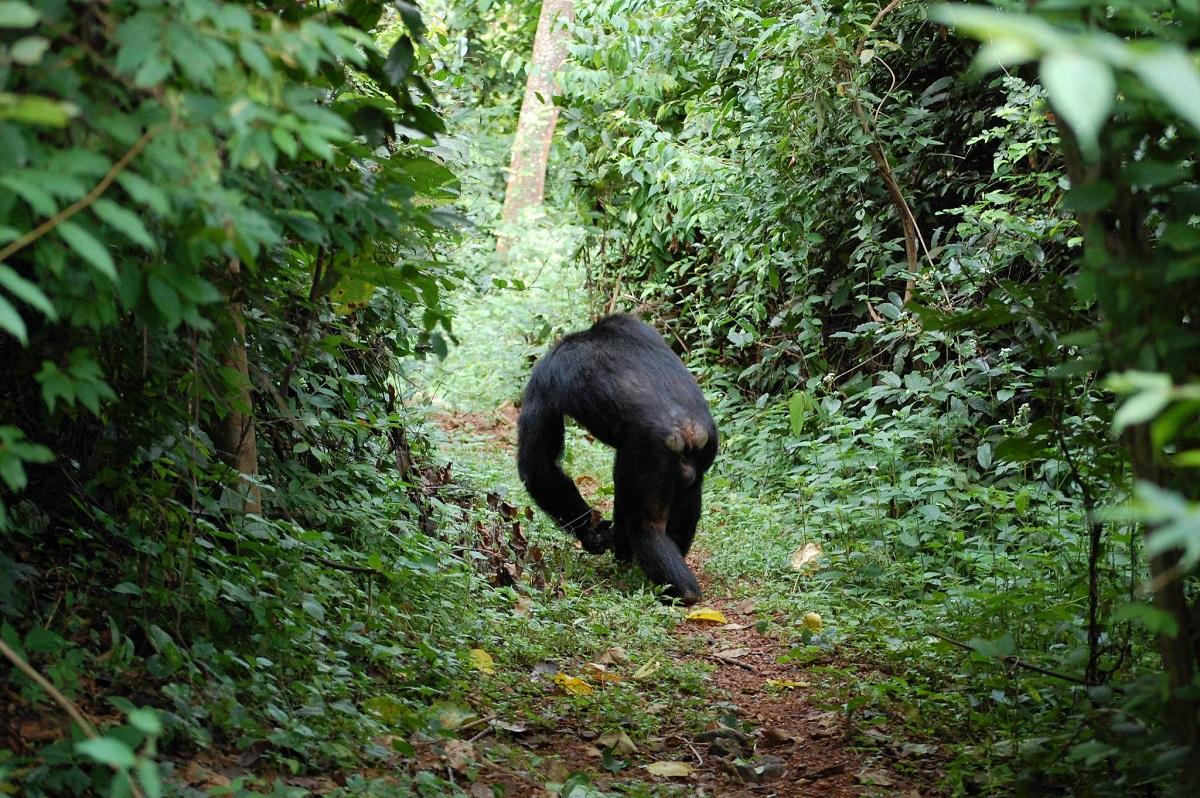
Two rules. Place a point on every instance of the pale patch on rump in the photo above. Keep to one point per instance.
(688, 435)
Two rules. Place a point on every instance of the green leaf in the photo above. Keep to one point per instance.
(988, 24)
(1172, 74)
(1082, 91)
(313, 608)
(33, 109)
(40, 200)
(153, 71)
(147, 774)
(799, 406)
(29, 50)
(26, 291)
(146, 721)
(411, 16)
(108, 751)
(11, 322)
(983, 455)
(399, 61)
(88, 247)
(1002, 646)
(17, 15)
(165, 299)
(254, 57)
(1149, 617)
(1140, 408)
(145, 192)
(126, 221)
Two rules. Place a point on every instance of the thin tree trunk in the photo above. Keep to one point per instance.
(535, 127)
(234, 437)
(1178, 652)
(1124, 239)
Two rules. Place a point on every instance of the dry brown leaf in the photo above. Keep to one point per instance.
(805, 557)
(614, 656)
(460, 754)
(619, 742)
(669, 769)
(522, 606)
(599, 673)
(776, 736)
(733, 653)
(874, 777)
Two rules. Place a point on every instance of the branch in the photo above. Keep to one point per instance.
(914, 242)
(83, 202)
(41, 681)
(52, 691)
(354, 569)
(1016, 662)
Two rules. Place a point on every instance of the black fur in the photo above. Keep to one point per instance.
(627, 388)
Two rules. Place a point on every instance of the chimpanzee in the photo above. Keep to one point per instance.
(627, 388)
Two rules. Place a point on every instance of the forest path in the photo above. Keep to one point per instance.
(595, 679)
(758, 731)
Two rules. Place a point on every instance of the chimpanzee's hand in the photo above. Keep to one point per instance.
(597, 538)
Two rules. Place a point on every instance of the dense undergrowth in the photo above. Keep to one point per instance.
(901, 289)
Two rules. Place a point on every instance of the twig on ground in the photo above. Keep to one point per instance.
(731, 661)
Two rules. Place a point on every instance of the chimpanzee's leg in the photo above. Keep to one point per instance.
(685, 513)
(645, 486)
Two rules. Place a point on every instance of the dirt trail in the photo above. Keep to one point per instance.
(793, 748)
(765, 739)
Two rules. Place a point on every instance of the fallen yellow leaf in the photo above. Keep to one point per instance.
(647, 669)
(811, 621)
(805, 556)
(572, 686)
(482, 661)
(707, 615)
(599, 673)
(785, 684)
(670, 769)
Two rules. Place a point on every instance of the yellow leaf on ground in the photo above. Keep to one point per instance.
(805, 556)
(811, 621)
(669, 769)
(482, 661)
(572, 686)
(647, 669)
(707, 615)
(599, 673)
(785, 684)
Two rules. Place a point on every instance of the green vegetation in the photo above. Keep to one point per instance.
(260, 530)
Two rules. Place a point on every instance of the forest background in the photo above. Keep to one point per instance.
(945, 317)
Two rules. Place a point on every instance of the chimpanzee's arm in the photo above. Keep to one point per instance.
(540, 444)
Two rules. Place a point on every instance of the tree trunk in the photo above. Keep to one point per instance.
(1179, 651)
(234, 436)
(1122, 238)
(535, 127)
